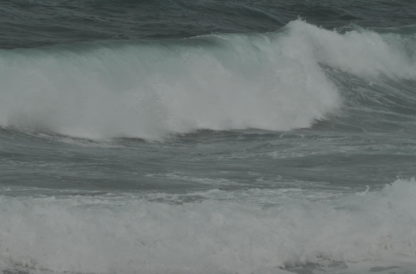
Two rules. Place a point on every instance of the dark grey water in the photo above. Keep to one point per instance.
(207, 136)
(30, 23)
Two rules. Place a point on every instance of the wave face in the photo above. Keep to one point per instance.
(224, 234)
(149, 90)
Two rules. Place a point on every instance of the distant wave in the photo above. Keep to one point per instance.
(273, 81)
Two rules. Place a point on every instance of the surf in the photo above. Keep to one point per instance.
(155, 88)
(222, 233)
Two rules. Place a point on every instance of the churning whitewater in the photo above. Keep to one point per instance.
(220, 235)
(207, 137)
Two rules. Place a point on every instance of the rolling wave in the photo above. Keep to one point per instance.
(274, 81)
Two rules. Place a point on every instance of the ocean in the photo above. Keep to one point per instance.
(208, 136)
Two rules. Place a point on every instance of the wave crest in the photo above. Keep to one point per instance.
(219, 82)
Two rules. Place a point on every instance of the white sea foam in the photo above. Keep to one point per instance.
(151, 89)
(135, 235)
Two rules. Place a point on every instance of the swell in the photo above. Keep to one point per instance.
(275, 81)
(30, 23)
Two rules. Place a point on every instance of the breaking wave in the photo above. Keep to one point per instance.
(151, 89)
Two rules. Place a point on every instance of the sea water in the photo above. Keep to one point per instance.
(178, 136)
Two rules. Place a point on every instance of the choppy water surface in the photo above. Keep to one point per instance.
(207, 136)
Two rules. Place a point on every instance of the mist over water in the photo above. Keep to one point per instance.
(207, 137)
